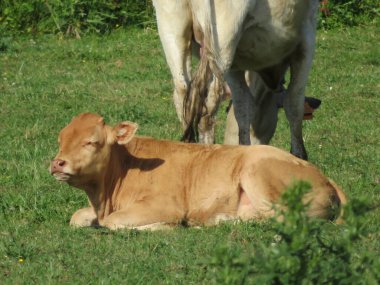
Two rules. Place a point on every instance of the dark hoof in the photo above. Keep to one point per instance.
(313, 102)
(301, 155)
(190, 135)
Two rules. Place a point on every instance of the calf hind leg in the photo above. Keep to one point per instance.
(257, 210)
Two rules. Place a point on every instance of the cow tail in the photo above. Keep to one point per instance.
(195, 99)
(208, 69)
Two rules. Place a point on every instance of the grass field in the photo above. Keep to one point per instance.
(44, 81)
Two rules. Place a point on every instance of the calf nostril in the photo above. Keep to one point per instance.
(58, 163)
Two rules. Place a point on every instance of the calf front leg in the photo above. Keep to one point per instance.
(150, 227)
(141, 217)
(85, 217)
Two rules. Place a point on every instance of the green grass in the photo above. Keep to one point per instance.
(44, 81)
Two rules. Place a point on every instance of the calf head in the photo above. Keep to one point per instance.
(85, 148)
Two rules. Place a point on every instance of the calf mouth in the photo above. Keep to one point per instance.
(61, 176)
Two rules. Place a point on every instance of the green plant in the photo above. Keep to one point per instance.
(303, 250)
(78, 17)
(339, 13)
(73, 17)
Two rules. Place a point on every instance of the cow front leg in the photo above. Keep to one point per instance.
(242, 103)
(85, 217)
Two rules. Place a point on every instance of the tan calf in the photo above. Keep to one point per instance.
(136, 182)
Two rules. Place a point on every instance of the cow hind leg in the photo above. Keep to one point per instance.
(231, 133)
(264, 121)
(265, 111)
(207, 122)
(242, 103)
(175, 30)
(221, 37)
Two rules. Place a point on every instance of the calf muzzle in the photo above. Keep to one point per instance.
(57, 165)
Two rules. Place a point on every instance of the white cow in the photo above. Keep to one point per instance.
(265, 38)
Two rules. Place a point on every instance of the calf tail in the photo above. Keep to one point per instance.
(342, 201)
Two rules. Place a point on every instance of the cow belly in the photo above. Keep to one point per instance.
(259, 49)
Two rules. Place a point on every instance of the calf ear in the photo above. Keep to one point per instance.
(125, 131)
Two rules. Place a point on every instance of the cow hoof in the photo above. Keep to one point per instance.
(300, 154)
(190, 135)
(313, 102)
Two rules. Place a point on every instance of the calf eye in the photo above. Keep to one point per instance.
(90, 144)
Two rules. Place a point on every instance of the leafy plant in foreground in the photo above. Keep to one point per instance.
(303, 250)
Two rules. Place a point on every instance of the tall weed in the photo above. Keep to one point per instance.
(347, 13)
(74, 17)
(78, 17)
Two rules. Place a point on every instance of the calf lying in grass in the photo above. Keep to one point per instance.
(136, 182)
